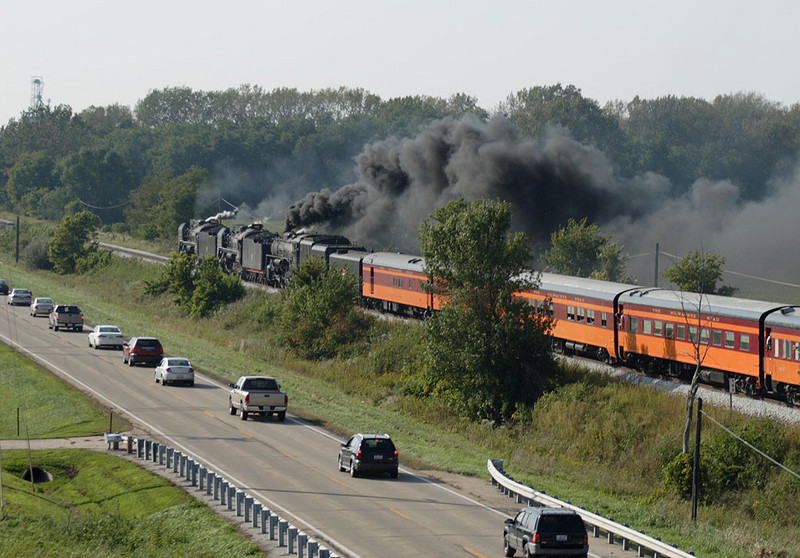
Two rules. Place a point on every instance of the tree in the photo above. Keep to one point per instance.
(488, 354)
(320, 314)
(199, 287)
(580, 250)
(69, 244)
(699, 273)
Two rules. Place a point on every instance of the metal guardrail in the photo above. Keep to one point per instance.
(290, 539)
(614, 531)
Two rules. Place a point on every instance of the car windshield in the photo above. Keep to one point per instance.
(178, 362)
(44, 301)
(70, 309)
(148, 343)
(552, 524)
(21, 292)
(108, 329)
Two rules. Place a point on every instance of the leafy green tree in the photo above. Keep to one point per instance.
(70, 242)
(699, 273)
(98, 179)
(580, 250)
(199, 287)
(538, 108)
(212, 288)
(320, 316)
(32, 176)
(488, 354)
(163, 202)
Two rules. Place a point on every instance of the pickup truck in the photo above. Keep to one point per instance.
(67, 316)
(257, 395)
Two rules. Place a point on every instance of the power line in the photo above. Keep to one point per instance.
(752, 447)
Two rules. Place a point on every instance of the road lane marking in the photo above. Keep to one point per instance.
(246, 433)
(210, 414)
(289, 455)
(178, 397)
(401, 514)
(337, 481)
(474, 552)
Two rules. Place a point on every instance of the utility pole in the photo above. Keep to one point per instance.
(655, 275)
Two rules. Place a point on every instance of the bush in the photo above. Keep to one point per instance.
(35, 255)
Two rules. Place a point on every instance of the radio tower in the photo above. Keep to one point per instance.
(37, 85)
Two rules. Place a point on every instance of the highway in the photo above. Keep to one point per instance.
(289, 466)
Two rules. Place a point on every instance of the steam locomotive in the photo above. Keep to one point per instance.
(748, 346)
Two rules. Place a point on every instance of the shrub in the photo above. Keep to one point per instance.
(35, 255)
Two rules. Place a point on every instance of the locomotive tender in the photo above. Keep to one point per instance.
(749, 346)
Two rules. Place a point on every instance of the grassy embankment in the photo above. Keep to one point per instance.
(96, 504)
(596, 443)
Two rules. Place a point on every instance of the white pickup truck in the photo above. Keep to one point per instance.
(257, 395)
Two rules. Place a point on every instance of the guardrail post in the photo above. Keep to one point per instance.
(248, 505)
(283, 526)
(610, 537)
(176, 463)
(626, 544)
(239, 502)
(195, 471)
(640, 552)
(313, 546)
(209, 481)
(139, 447)
(155, 451)
(292, 538)
(170, 451)
(223, 492)
(302, 539)
(148, 446)
(231, 496)
(324, 553)
(273, 523)
(201, 473)
(265, 515)
(162, 451)
(189, 467)
(256, 513)
(217, 483)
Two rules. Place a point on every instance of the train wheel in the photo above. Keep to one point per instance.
(793, 396)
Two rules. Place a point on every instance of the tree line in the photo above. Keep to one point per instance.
(144, 170)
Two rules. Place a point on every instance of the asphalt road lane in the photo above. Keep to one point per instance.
(290, 466)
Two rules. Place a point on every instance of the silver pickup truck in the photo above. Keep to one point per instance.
(257, 395)
(67, 316)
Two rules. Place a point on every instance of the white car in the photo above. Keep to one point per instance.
(106, 336)
(19, 296)
(41, 306)
(173, 370)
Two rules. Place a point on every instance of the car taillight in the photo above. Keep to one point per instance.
(586, 538)
(358, 454)
(285, 399)
(191, 370)
(536, 538)
(247, 398)
(169, 369)
(395, 455)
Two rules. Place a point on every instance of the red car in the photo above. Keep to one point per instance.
(142, 349)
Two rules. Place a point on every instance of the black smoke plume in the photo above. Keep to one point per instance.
(402, 181)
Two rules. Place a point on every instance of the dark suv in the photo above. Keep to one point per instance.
(142, 349)
(369, 453)
(546, 532)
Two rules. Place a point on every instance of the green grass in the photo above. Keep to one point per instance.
(103, 506)
(36, 404)
(596, 443)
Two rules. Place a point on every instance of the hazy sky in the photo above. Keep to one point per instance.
(92, 52)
